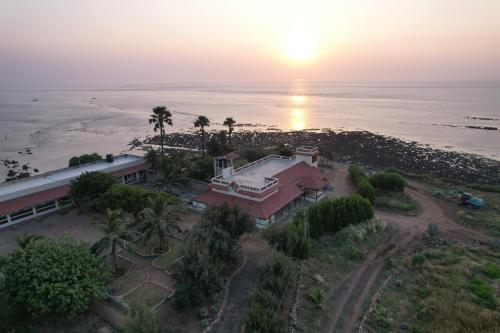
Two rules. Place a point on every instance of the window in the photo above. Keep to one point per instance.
(45, 206)
(3, 219)
(65, 201)
(142, 175)
(21, 214)
(130, 178)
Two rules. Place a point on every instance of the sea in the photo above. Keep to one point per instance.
(46, 126)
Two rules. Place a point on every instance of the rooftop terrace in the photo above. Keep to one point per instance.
(62, 176)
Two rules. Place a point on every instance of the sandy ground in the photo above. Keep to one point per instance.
(72, 224)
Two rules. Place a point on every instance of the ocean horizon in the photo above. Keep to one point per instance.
(45, 126)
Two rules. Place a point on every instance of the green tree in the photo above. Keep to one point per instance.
(158, 219)
(292, 238)
(356, 173)
(173, 170)
(160, 117)
(54, 278)
(129, 198)
(26, 239)
(85, 158)
(140, 319)
(202, 122)
(232, 219)
(116, 235)
(230, 122)
(217, 144)
(90, 186)
(153, 158)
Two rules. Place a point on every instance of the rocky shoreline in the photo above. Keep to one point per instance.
(371, 150)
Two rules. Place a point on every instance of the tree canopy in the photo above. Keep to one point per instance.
(85, 158)
(91, 185)
(54, 277)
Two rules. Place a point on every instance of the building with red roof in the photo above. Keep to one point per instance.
(267, 187)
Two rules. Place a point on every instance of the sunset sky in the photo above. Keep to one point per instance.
(153, 41)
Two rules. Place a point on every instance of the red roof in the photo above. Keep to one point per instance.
(290, 182)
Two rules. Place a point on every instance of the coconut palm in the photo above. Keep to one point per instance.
(158, 218)
(160, 117)
(25, 240)
(115, 235)
(230, 122)
(202, 122)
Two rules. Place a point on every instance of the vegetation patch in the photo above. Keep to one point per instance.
(332, 259)
(168, 258)
(398, 202)
(447, 289)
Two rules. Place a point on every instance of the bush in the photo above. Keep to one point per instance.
(483, 291)
(356, 174)
(85, 158)
(316, 297)
(366, 190)
(91, 185)
(202, 169)
(263, 319)
(291, 239)
(492, 270)
(231, 219)
(140, 319)
(388, 181)
(432, 229)
(54, 278)
(417, 260)
(330, 216)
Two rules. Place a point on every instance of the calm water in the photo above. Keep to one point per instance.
(57, 123)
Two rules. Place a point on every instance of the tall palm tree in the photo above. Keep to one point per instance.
(115, 235)
(202, 122)
(27, 239)
(230, 122)
(158, 219)
(160, 117)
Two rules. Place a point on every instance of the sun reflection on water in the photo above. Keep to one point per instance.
(298, 114)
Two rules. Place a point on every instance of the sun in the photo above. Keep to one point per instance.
(299, 48)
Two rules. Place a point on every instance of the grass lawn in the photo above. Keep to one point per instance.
(449, 289)
(127, 282)
(398, 202)
(150, 293)
(168, 258)
(333, 258)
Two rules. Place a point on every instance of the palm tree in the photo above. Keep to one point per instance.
(202, 122)
(115, 235)
(158, 219)
(229, 122)
(25, 240)
(161, 116)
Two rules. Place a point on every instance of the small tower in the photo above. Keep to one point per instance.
(223, 165)
(308, 155)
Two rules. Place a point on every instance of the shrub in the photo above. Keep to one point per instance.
(91, 185)
(262, 319)
(356, 174)
(291, 239)
(388, 181)
(417, 260)
(316, 297)
(276, 275)
(332, 215)
(492, 270)
(482, 290)
(140, 319)
(41, 278)
(366, 190)
(231, 219)
(432, 229)
(85, 158)
(202, 169)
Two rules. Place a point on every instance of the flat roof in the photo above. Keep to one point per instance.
(255, 175)
(20, 187)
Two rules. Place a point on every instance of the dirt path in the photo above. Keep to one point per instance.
(256, 249)
(405, 235)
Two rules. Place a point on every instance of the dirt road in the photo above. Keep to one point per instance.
(405, 236)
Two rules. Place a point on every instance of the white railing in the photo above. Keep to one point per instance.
(306, 149)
